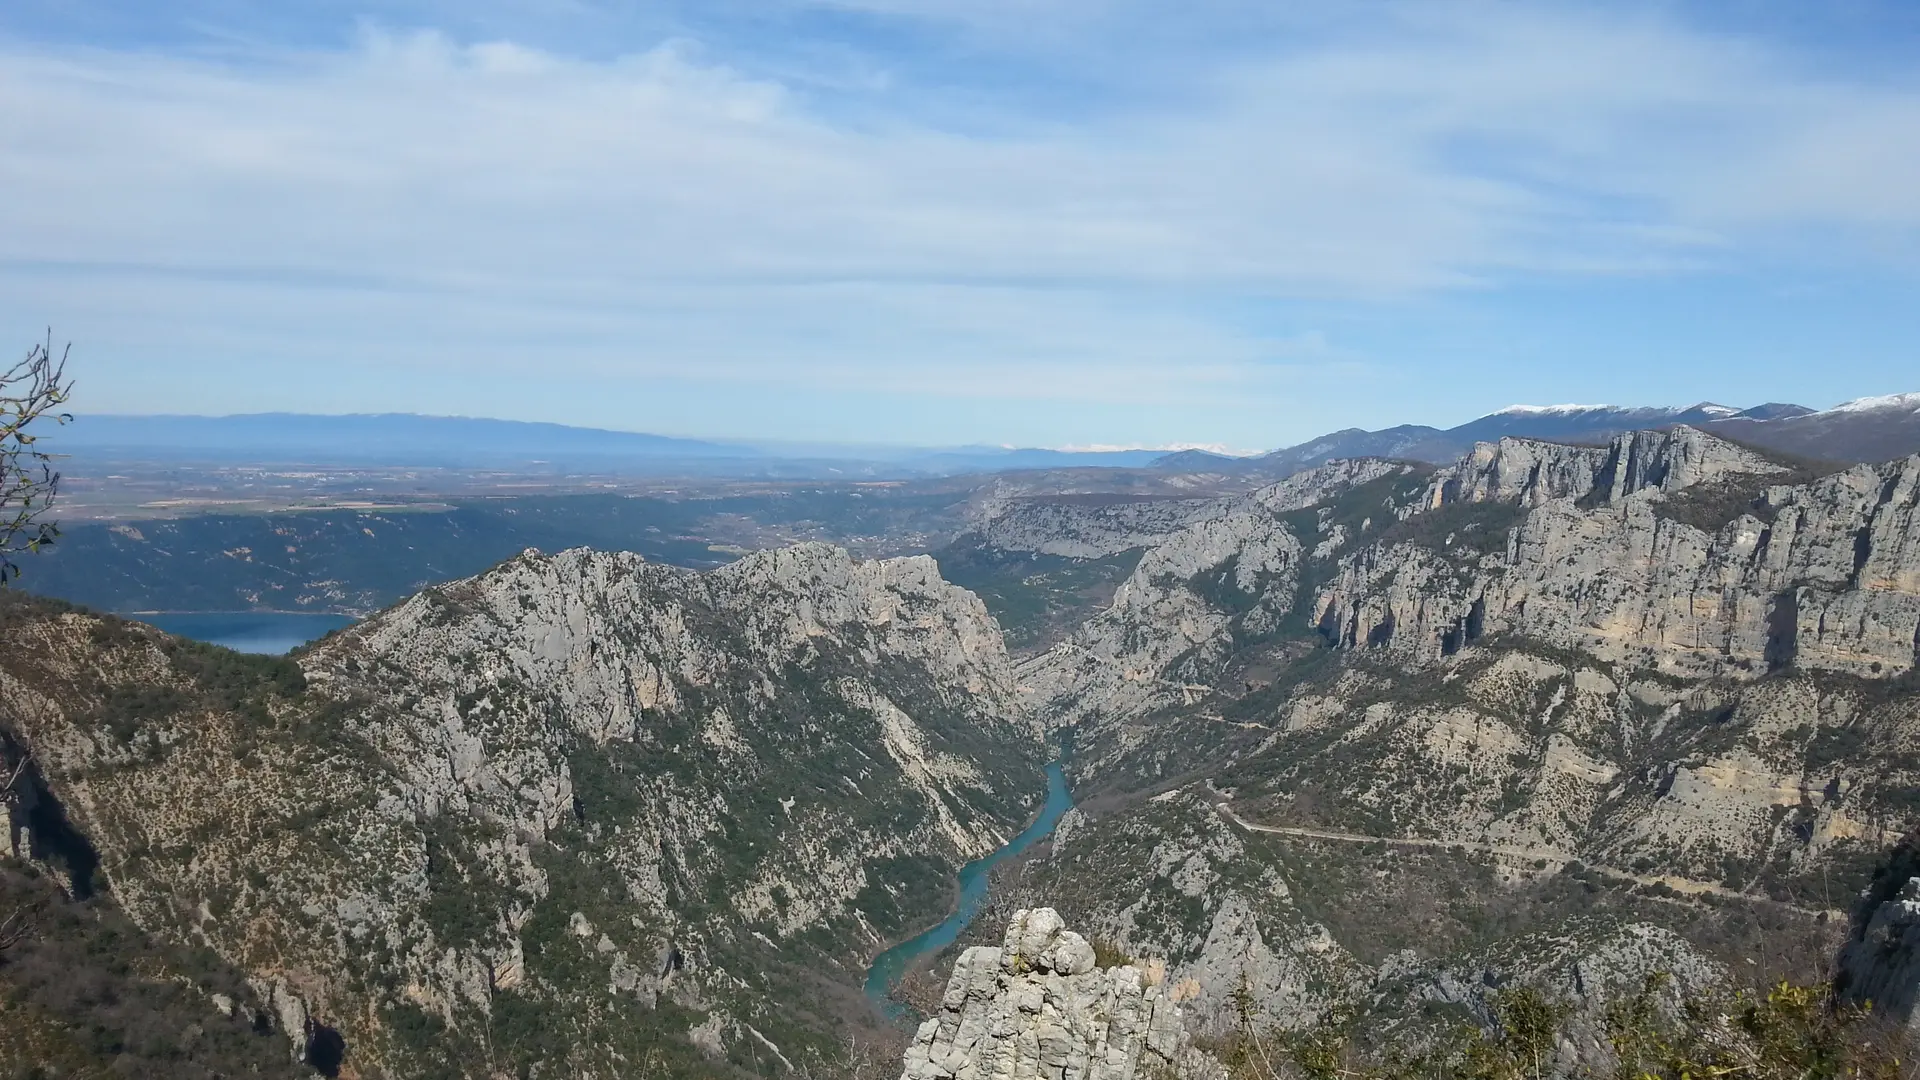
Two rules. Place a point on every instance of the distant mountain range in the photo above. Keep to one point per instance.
(1869, 429)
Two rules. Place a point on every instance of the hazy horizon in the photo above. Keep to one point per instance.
(828, 448)
(934, 223)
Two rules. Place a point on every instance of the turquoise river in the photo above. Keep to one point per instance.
(889, 966)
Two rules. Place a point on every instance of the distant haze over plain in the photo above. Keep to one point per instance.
(1861, 430)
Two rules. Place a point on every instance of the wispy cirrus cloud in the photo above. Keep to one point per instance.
(688, 208)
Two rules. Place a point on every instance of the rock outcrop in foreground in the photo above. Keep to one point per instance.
(1038, 1007)
(1881, 961)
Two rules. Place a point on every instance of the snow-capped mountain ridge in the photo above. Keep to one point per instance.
(1862, 430)
(1888, 402)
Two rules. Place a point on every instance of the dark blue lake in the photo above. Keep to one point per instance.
(889, 966)
(272, 632)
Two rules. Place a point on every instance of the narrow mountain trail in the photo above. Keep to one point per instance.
(1686, 886)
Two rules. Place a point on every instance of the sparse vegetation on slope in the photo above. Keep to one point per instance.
(583, 813)
(84, 992)
(1787, 1031)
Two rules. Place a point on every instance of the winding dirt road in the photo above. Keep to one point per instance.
(1686, 886)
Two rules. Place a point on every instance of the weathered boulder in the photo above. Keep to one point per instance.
(1037, 1007)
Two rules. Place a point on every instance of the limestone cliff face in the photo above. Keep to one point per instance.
(1095, 527)
(1667, 667)
(1038, 1009)
(1315, 486)
(1223, 579)
(1532, 473)
(1599, 548)
(1741, 788)
(1667, 653)
(1614, 557)
(570, 810)
(1170, 622)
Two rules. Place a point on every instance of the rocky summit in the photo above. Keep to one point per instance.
(1037, 1008)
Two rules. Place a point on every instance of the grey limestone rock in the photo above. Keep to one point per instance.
(1313, 486)
(1823, 575)
(1038, 1009)
(1092, 530)
(1155, 642)
(1533, 473)
(1586, 964)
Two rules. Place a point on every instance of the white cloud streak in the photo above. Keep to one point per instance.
(450, 205)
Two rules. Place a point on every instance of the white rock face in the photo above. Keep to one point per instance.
(1037, 1009)
(1533, 473)
(1097, 527)
(1160, 628)
(1233, 569)
(1829, 579)
(1316, 485)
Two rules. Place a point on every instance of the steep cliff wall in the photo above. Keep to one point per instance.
(1209, 588)
(1668, 653)
(1666, 550)
(571, 810)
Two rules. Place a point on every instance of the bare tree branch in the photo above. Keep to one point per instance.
(30, 393)
(10, 792)
(14, 929)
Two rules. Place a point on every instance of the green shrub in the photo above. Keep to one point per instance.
(1106, 954)
(1786, 1032)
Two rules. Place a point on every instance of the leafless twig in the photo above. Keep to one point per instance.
(15, 928)
(30, 392)
(10, 791)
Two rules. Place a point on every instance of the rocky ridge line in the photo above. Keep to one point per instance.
(479, 825)
(1603, 558)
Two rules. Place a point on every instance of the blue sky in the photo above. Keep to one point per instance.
(1084, 222)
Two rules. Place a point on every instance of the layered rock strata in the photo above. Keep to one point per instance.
(1620, 552)
(1220, 580)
